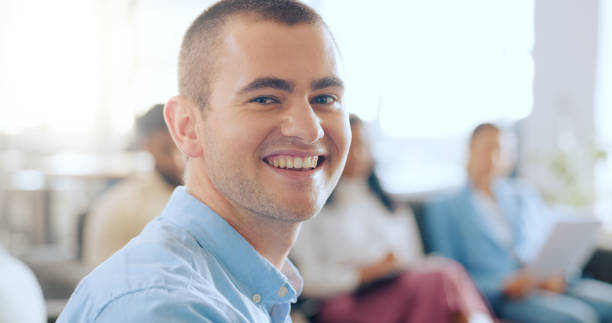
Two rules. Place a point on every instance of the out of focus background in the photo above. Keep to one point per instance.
(74, 75)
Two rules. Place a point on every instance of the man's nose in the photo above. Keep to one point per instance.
(302, 122)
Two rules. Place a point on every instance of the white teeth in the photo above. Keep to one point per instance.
(297, 163)
(307, 162)
(294, 162)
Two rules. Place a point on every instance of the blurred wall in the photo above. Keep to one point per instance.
(559, 135)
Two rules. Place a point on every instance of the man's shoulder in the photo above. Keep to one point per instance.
(161, 301)
(517, 186)
(162, 304)
(162, 260)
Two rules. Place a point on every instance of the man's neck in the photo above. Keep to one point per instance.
(272, 238)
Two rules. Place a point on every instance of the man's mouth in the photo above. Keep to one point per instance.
(295, 163)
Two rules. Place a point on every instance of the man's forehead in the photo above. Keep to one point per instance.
(265, 48)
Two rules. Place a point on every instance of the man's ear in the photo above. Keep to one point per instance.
(182, 118)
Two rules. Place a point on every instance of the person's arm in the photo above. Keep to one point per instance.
(554, 284)
(389, 264)
(440, 230)
(518, 285)
(521, 283)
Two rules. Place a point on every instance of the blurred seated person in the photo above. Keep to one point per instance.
(491, 225)
(122, 212)
(21, 299)
(363, 254)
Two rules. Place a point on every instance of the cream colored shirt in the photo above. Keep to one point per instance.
(121, 213)
(353, 232)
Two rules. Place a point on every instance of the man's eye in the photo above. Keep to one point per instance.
(324, 99)
(264, 100)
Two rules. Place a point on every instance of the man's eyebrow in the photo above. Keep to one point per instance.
(268, 82)
(326, 82)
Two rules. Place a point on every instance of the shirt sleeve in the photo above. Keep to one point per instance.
(159, 305)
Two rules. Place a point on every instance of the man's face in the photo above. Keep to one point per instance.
(275, 131)
(485, 155)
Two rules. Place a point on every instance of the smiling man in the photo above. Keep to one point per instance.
(261, 119)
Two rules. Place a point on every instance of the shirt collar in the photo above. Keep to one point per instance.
(254, 274)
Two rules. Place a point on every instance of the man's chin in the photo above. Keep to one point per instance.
(299, 214)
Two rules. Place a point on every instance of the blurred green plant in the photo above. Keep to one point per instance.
(563, 167)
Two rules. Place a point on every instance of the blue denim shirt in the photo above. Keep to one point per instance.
(187, 265)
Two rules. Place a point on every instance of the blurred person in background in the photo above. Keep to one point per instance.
(490, 227)
(363, 255)
(260, 116)
(123, 211)
(21, 299)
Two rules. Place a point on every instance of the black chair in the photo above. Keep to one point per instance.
(600, 266)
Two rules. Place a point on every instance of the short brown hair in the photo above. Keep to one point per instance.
(198, 50)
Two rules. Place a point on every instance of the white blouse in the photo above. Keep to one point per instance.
(356, 230)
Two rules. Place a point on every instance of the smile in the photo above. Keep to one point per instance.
(295, 163)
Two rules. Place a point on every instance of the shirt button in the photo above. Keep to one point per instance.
(256, 298)
(282, 292)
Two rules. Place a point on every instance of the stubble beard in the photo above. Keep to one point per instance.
(253, 197)
(245, 193)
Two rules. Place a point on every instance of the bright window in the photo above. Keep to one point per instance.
(435, 68)
(48, 63)
(426, 72)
